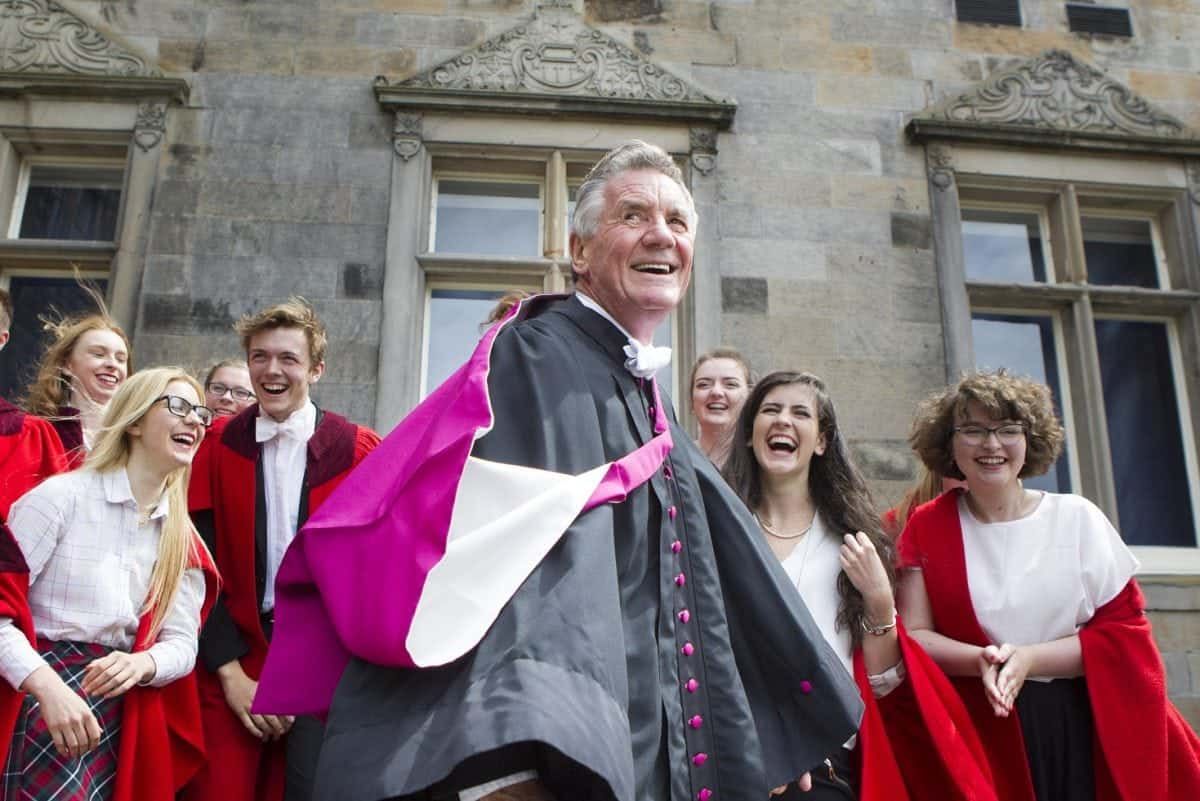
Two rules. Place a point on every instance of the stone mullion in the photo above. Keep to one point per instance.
(1091, 423)
(140, 172)
(699, 322)
(951, 264)
(400, 332)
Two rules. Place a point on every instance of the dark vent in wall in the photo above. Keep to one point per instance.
(1099, 19)
(995, 12)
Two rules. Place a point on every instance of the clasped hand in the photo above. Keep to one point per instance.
(1003, 669)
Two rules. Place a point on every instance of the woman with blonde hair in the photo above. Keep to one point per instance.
(719, 385)
(87, 360)
(117, 581)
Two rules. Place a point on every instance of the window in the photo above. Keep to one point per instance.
(994, 12)
(1084, 286)
(496, 225)
(1088, 18)
(74, 200)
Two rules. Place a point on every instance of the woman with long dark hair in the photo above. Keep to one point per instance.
(792, 467)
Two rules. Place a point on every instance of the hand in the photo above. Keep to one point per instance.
(805, 783)
(73, 727)
(1013, 673)
(117, 672)
(239, 694)
(866, 572)
(991, 660)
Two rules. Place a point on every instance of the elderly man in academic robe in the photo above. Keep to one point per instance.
(537, 587)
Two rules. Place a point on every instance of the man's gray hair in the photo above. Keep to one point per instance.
(632, 155)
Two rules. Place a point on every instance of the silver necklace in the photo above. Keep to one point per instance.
(780, 535)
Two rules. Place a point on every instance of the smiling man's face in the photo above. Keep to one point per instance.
(638, 263)
(281, 370)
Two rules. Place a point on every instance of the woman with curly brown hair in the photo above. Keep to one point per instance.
(791, 465)
(1027, 600)
(82, 368)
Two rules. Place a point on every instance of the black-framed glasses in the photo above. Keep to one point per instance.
(182, 407)
(240, 395)
(1007, 434)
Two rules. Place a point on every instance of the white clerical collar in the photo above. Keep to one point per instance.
(644, 359)
(299, 425)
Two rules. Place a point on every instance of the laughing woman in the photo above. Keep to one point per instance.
(792, 467)
(87, 360)
(117, 581)
(1027, 599)
(720, 384)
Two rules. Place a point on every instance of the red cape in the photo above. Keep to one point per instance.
(918, 742)
(162, 743)
(224, 481)
(1145, 751)
(30, 452)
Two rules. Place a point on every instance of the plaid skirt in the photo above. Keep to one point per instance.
(35, 771)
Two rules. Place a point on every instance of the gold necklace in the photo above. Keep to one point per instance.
(779, 535)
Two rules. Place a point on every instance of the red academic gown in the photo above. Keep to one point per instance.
(918, 742)
(162, 743)
(225, 484)
(30, 451)
(69, 426)
(1144, 750)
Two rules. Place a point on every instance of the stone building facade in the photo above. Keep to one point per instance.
(888, 195)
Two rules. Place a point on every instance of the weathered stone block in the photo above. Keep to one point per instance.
(918, 304)
(264, 277)
(167, 275)
(1175, 631)
(225, 237)
(180, 314)
(911, 230)
(350, 242)
(362, 281)
(1171, 594)
(390, 30)
(870, 92)
(1179, 678)
(910, 31)
(772, 258)
(369, 205)
(884, 460)
(618, 10)
(270, 201)
(176, 198)
(277, 58)
(745, 295)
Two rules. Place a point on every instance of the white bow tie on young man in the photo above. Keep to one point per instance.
(645, 360)
(266, 429)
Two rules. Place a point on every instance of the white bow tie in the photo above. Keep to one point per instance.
(645, 360)
(266, 429)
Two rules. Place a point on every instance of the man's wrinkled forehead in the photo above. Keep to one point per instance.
(640, 188)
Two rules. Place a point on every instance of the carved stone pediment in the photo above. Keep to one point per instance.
(45, 46)
(556, 63)
(1056, 99)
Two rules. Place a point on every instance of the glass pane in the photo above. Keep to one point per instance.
(456, 318)
(79, 203)
(1144, 434)
(1003, 246)
(488, 218)
(1024, 346)
(32, 298)
(1119, 252)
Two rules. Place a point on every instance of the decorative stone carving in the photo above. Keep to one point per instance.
(1056, 91)
(150, 126)
(940, 161)
(555, 53)
(40, 36)
(702, 144)
(1193, 173)
(407, 134)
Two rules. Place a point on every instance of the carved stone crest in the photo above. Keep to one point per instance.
(1056, 91)
(555, 53)
(407, 134)
(940, 161)
(702, 144)
(40, 36)
(150, 126)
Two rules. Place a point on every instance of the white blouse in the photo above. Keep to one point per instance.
(89, 574)
(1040, 578)
(813, 566)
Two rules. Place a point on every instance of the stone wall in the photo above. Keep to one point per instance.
(276, 174)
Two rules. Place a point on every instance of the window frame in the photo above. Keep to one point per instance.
(1157, 190)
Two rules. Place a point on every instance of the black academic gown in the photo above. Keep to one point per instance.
(656, 653)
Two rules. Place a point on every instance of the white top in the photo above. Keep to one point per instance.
(284, 456)
(813, 566)
(1042, 577)
(89, 574)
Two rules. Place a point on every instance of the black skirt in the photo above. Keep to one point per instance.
(1056, 721)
